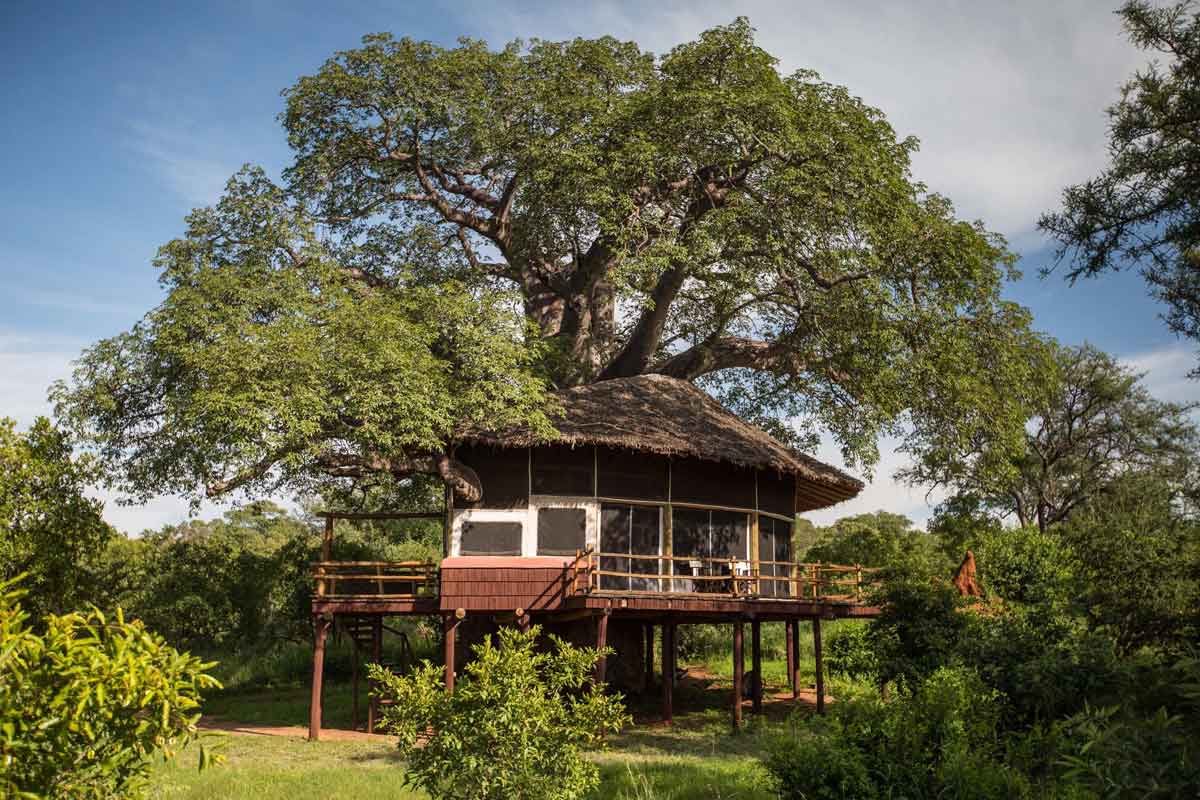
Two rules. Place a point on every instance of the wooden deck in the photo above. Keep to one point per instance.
(712, 589)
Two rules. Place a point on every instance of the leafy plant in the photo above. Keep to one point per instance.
(85, 706)
(515, 726)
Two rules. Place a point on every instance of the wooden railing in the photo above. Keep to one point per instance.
(385, 580)
(592, 571)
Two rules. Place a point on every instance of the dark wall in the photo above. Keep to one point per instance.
(585, 471)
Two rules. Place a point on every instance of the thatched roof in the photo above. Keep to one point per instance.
(658, 414)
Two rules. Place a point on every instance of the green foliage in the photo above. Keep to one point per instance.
(48, 528)
(86, 705)
(482, 214)
(850, 651)
(921, 624)
(1026, 565)
(515, 726)
(941, 740)
(880, 539)
(1142, 209)
(1138, 564)
(1094, 424)
(1123, 758)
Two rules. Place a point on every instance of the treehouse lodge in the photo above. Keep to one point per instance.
(654, 508)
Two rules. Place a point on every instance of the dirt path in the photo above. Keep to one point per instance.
(290, 731)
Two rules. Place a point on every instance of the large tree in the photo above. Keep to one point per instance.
(49, 528)
(464, 228)
(1143, 210)
(1096, 426)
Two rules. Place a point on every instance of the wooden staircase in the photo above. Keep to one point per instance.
(366, 634)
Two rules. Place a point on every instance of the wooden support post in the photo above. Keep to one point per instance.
(355, 657)
(756, 664)
(790, 662)
(668, 670)
(376, 658)
(601, 643)
(449, 630)
(320, 631)
(327, 540)
(649, 656)
(739, 668)
(795, 650)
(816, 623)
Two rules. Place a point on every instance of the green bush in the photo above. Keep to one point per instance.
(86, 705)
(810, 766)
(515, 726)
(850, 652)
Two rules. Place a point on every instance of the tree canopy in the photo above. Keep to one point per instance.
(1144, 209)
(463, 229)
(49, 528)
(1095, 425)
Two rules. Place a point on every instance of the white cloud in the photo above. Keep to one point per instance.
(182, 160)
(1007, 98)
(1167, 370)
(28, 365)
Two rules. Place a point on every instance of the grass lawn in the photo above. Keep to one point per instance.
(697, 758)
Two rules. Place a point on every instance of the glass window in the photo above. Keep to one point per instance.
(490, 539)
(561, 531)
(627, 531)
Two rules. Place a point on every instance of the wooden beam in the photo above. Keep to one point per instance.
(601, 643)
(820, 667)
(449, 630)
(756, 664)
(327, 541)
(668, 670)
(796, 658)
(376, 658)
(739, 668)
(320, 631)
(790, 641)
(649, 647)
(355, 657)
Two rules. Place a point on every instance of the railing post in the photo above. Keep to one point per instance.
(858, 592)
(733, 577)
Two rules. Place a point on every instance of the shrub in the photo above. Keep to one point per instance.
(85, 706)
(810, 766)
(515, 726)
(850, 652)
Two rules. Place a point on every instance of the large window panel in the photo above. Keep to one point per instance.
(645, 540)
(615, 537)
(490, 539)
(561, 531)
(689, 544)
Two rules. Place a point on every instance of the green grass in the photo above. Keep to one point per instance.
(697, 758)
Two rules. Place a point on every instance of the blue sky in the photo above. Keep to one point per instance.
(120, 117)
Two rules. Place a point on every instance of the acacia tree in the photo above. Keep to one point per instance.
(1096, 425)
(1144, 209)
(464, 228)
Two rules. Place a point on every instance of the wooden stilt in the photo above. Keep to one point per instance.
(739, 667)
(320, 631)
(649, 656)
(449, 631)
(668, 670)
(601, 643)
(796, 658)
(355, 657)
(820, 669)
(788, 635)
(376, 658)
(756, 664)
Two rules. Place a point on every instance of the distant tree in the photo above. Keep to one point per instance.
(1096, 424)
(460, 225)
(873, 540)
(1144, 209)
(1138, 565)
(49, 528)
